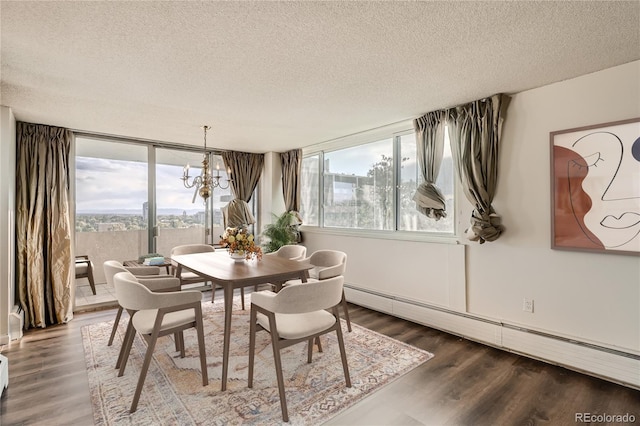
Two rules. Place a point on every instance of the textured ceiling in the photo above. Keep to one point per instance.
(271, 76)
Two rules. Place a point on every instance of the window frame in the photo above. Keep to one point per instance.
(395, 131)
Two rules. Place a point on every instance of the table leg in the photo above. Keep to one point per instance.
(228, 307)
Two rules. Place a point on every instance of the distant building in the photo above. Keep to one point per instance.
(145, 211)
(200, 217)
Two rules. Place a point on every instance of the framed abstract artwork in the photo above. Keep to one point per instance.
(595, 188)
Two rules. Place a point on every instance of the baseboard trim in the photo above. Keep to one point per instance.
(599, 361)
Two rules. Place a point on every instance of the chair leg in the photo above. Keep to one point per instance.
(90, 278)
(143, 371)
(125, 342)
(279, 375)
(319, 344)
(115, 326)
(309, 351)
(203, 353)
(179, 338)
(346, 311)
(252, 346)
(343, 353)
(126, 349)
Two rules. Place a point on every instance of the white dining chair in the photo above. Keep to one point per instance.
(149, 276)
(156, 315)
(327, 264)
(297, 313)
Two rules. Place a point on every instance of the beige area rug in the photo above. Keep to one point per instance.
(173, 393)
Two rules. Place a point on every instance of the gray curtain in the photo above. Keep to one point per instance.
(291, 162)
(43, 245)
(246, 169)
(474, 132)
(430, 147)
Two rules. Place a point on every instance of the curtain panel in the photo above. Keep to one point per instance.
(475, 130)
(246, 169)
(291, 162)
(430, 148)
(43, 228)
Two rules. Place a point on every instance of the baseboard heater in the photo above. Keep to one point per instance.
(4, 373)
(16, 322)
(611, 364)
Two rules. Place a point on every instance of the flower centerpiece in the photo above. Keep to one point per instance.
(240, 244)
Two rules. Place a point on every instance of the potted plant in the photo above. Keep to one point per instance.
(283, 231)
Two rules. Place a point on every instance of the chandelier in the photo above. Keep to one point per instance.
(206, 182)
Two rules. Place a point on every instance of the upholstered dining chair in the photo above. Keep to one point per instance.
(149, 276)
(290, 251)
(297, 313)
(188, 277)
(327, 264)
(156, 315)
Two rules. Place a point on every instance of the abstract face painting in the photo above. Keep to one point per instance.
(596, 188)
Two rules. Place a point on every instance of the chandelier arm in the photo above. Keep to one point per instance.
(206, 182)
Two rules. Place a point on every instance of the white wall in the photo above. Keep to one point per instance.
(590, 297)
(7, 221)
(595, 297)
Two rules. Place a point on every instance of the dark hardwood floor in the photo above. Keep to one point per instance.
(466, 383)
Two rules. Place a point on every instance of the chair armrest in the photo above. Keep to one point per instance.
(143, 270)
(173, 298)
(330, 271)
(162, 283)
(264, 299)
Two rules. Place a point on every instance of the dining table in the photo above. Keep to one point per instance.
(223, 271)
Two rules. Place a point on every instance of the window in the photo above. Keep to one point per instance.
(410, 177)
(370, 186)
(358, 186)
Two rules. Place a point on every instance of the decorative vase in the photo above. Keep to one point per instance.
(237, 257)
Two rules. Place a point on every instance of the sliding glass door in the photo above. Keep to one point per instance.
(111, 199)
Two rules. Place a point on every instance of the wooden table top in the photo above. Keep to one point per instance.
(221, 268)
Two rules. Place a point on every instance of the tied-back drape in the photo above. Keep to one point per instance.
(246, 169)
(291, 162)
(43, 246)
(430, 148)
(475, 131)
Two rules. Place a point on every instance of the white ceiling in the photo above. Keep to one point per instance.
(272, 76)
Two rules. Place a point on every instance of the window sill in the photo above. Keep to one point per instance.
(384, 235)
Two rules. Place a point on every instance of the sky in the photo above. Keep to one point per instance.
(106, 184)
(112, 183)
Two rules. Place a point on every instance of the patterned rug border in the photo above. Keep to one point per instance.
(177, 381)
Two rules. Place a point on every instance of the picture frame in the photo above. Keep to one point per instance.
(595, 188)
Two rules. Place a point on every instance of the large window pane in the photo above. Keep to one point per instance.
(181, 214)
(358, 186)
(310, 192)
(183, 217)
(111, 188)
(410, 177)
